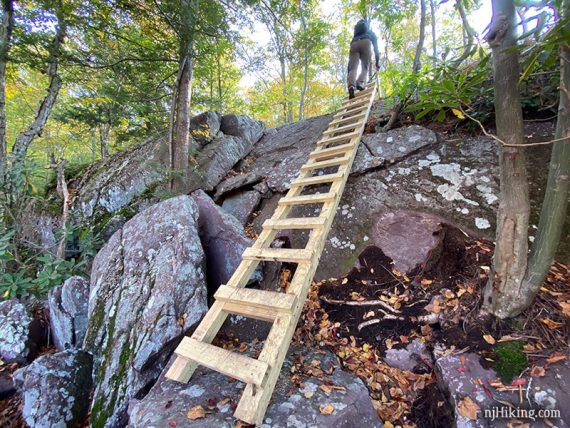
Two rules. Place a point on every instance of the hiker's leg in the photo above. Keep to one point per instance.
(353, 60)
(365, 49)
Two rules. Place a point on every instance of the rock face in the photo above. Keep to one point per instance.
(55, 389)
(242, 205)
(15, 323)
(244, 127)
(236, 182)
(68, 304)
(282, 151)
(289, 406)
(147, 290)
(216, 159)
(205, 126)
(111, 184)
(223, 239)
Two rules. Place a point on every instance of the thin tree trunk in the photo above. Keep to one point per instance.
(555, 205)
(104, 130)
(181, 136)
(305, 63)
(219, 83)
(35, 129)
(417, 61)
(284, 90)
(433, 33)
(468, 33)
(63, 191)
(503, 293)
(5, 39)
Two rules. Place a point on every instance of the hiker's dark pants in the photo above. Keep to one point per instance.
(360, 52)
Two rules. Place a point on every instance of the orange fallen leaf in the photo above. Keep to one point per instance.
(489, 339)
(537, 371)
(565, 308)
(326, 389)
(551, 324)
(196, 412)
(327, 410)
(425, 282)
(554, 358)
(468, 408)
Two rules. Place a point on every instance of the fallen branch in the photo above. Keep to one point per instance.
(361, 303)
(378, 320)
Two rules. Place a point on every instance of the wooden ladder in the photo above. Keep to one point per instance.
(336, 148)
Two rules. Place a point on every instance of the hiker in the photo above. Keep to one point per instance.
(361, 52)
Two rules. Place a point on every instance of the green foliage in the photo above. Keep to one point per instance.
(510, 360)
(452, 88)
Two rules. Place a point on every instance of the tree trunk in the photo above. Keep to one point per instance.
(555, 202)
(5, 39)
(305, 63)
(503, 295)
(417, 62)
(220, 103)
(433, 33)
(104, 130)
(284, 90)
(468, 32)
(35, 129)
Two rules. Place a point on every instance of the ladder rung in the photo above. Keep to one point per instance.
(317, 198)
(262, 299)
(238, 366)
(278, 254)
(330, 140)
(347, 119)
(343, 148)
(325, 164)
(342, 112)
(349, 127)
(357, 101)
(294, 223)
(318, 179)
(362, 94)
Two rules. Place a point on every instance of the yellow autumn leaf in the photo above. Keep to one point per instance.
(489, 339)
(196, 412)
(327, 410)
(458, 113)
(468, 408)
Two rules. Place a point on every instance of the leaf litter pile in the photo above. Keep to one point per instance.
(375, 308)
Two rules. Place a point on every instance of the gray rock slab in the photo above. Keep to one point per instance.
(216, 159)
(243, 127)
(236, 182)
(223, 239)
(55, 389)
(409, 357)
(289, 406)
(242, 205)
(282, 151)
(148, 288)
(68, 306)
(15, 323)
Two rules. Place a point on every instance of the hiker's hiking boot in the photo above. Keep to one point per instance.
(350, 92)
(359, 87)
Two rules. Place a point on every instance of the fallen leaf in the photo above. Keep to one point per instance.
(489, 339)
(554, 358)
(468, 408)
(327, 410)
(309, 394)
(196, 412)
(327, 389)
(172, 424)
(388, 424)
(425, 282)
(344, 281)
(565, 308)
(552, 325)
(537, 371)
(458, 113)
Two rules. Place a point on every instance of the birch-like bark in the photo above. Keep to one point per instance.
(504, 292)
(6, 27)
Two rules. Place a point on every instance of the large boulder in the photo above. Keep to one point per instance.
(113, 183)
(243, 127)
(242, 205)
(55, 389)
(223, 239)
(168, 402)
(205, 126)
(147, 290)
(15, 324)
(236, 182)
(68, 304)
(216, 159)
